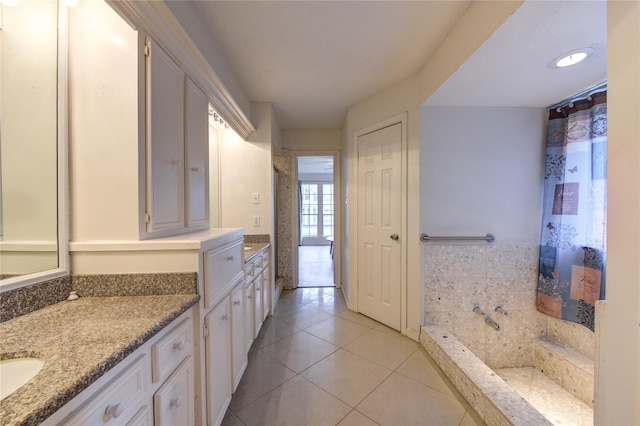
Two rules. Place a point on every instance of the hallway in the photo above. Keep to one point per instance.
(316, 363)
(315, 266)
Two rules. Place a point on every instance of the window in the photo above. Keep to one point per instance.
(316, 209)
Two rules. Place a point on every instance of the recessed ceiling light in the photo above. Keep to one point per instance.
(572, 57)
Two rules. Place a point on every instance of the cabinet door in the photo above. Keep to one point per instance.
(266, 290)
(165, 141)
(257, 305)
(218, 361)
(238, 342)
(248, 315)
(197, 153)
(173, 403)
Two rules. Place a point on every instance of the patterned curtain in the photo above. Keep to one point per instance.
(572, 246)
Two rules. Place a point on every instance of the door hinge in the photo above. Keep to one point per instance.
(147, 218)
(147, 50)
(205, 331)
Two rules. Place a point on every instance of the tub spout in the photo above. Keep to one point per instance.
(492, 323)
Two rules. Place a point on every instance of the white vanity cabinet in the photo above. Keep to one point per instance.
(218, 361)
(151, 386)
(176, 147)
(259, 280)
(239, 351)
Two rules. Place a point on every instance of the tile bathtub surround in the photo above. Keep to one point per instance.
(461, 276)
(488, 394)
(135, 284)
(21, 301)
(70, 337)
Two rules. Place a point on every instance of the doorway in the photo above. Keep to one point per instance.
(316, 220)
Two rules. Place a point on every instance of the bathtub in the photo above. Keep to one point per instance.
(490, 396)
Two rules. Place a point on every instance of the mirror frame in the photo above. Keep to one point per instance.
(63, 268)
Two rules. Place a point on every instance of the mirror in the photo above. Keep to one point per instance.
(29, 135)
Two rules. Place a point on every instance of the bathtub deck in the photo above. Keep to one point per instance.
(558, 405)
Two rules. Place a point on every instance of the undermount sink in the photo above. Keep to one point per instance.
(16, 372)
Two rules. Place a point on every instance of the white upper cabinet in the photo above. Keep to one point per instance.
(197, 153)
(165, 141)
(176, 148)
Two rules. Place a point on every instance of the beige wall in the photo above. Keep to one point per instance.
(479, 21)
(618, 323)
(246, 168)
(312, 139)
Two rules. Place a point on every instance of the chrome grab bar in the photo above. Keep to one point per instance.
(488, 238)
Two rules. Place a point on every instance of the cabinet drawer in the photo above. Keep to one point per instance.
(221, 266)
(119, 400)
(173, 403)
(167, 353)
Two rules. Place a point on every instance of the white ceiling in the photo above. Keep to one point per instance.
(513, 67)
(313, 59)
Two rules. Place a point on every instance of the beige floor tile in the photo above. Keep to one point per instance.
(471, 418)
(358, 318)
(231, 420)
(303, 317)
(337, 330)
(356, 418)
(382, 348)
(348, 377)
(402, 401)
(300, 350)
(295, 403)
(421, 368)
(262, 375)
(272, 331)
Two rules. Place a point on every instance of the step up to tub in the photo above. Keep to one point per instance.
(569, 369)
(495, 401)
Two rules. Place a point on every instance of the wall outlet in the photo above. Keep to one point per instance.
(255, 198)
(256, 221)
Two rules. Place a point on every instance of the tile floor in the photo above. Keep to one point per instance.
(316, 363)
(315, 266)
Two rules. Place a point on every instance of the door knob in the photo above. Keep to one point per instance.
(394, 237)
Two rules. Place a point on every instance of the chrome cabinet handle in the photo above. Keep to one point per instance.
(394, 237)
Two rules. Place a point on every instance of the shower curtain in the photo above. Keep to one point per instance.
(572, 247)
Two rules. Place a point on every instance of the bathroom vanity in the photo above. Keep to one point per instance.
(115, 358)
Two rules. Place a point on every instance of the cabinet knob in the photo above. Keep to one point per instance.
(257, 288)
(112, 412)
(174, 162)
(230, 258)
(224, 317)
(249, 296)
(176, 402)
(178, 346)
(236, 302)
(195, 169)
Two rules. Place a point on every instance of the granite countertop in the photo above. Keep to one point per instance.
(252, 249)
(79, 341)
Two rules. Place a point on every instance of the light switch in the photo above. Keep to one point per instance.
(256, 221)
(255, 198)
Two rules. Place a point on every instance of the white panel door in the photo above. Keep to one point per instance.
(379, 224)
(165, 141)
(197, 153)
